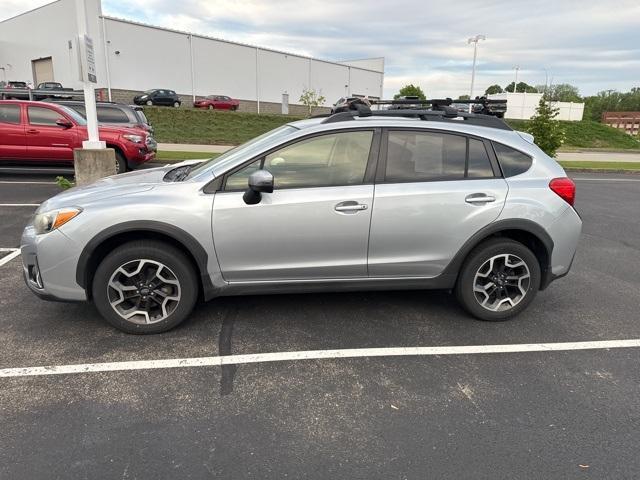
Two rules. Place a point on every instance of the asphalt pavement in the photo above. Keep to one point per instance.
(543, 414)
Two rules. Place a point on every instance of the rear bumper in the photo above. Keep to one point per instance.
(565, 232)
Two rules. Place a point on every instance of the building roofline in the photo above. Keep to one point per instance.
(207, 37)
(29, 11)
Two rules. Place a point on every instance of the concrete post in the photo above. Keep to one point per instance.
(93, 164)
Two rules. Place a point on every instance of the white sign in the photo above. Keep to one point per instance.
(90, 59)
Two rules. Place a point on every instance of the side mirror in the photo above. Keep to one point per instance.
(64, 123)
(259, 182)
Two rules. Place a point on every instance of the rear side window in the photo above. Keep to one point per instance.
(512, 161)
(112, 115)
(479, 164)
(43, 116)
(420, 156)
(9, 114)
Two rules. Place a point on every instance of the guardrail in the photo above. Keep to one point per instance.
(33, 94)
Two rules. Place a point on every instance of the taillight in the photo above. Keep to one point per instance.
(565, 188)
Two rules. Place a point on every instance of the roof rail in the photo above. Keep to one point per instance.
(446, 114)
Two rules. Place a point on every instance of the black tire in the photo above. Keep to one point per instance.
(157, 251)
(234, 108)
(464, 289)
(210, 107)
(121, 163)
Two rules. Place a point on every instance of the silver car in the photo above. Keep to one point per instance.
(352, 201)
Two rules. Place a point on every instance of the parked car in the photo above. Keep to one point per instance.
(15, 85)
(217, 102)
(164, 97)
(346, 202)
(47, 133)
(53, 89)
(110, 113)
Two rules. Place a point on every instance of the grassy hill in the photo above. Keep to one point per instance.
(590, 134)
(188, 125)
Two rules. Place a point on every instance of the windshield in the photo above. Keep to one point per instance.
(148, 92)
(79, 119)
(255, 144)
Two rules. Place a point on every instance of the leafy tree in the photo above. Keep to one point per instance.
(611, 101)
(522, 87)
(311, 99)
(492, 89)
(547, 132)
(410, 90)
(562, 92)
(464, 97)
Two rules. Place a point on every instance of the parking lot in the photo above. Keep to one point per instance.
(542, 410)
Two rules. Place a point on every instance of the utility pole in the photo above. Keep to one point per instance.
(515, 84)
(475, 41)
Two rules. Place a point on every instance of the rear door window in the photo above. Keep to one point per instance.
(479, 165)
(112, 115)
(512, 162)
(10, 114)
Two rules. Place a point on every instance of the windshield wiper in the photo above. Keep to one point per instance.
(178, 174)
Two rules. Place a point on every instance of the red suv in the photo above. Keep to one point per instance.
(37, 132)
(218, 102)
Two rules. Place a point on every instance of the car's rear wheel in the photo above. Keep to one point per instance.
(210, 107)
(498, 280)
(145, 287)
(149, 102)
(176, 104)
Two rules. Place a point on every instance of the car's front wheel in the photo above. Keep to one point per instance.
(149, 102)
(498, 280)
(210, 107)
(176, 104)
(145, 287)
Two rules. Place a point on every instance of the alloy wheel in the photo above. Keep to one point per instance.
(501, 282)
(143, 291)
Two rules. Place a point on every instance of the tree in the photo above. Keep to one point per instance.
(562, 92)
(311, 99)
(547, 132)
(493, 89)
(464, 97)
(410, 90)
(611, 101)
(522, 87)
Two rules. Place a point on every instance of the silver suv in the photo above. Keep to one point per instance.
(362, 200)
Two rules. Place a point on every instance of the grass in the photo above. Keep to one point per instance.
(191, 125)
(171, 157)
(611, 166)
(590, 135)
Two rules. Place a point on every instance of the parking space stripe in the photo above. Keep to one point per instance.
(19, 204)
(21, 182)
(7, 258)
(314, 355)
(585, 179)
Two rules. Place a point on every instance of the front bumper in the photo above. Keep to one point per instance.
(49, 262)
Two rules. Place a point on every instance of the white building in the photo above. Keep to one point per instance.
(522, 106)
(41, 45)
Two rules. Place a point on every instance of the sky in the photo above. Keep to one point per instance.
(594, 45)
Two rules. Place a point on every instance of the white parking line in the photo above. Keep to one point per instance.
(19, 204)
(21, 182)
(313, 355)
(7, 258)
(584, 179)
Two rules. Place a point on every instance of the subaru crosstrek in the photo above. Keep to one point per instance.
(384, 200)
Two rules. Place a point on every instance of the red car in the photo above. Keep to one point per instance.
(37, 132)
(218, 102)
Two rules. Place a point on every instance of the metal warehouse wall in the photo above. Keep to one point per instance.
(49, 31)
(220, 67)
(139, 57)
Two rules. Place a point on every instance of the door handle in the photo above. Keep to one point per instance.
(478, 198)
(33, 130)
(350, 206)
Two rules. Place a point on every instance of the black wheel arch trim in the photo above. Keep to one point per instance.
(193, 246)
(500, 226)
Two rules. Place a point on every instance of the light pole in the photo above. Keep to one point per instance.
(475, 41)
(515, 84)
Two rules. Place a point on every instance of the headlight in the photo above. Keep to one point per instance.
(144, 97)
(134, 138)
(48, 221)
